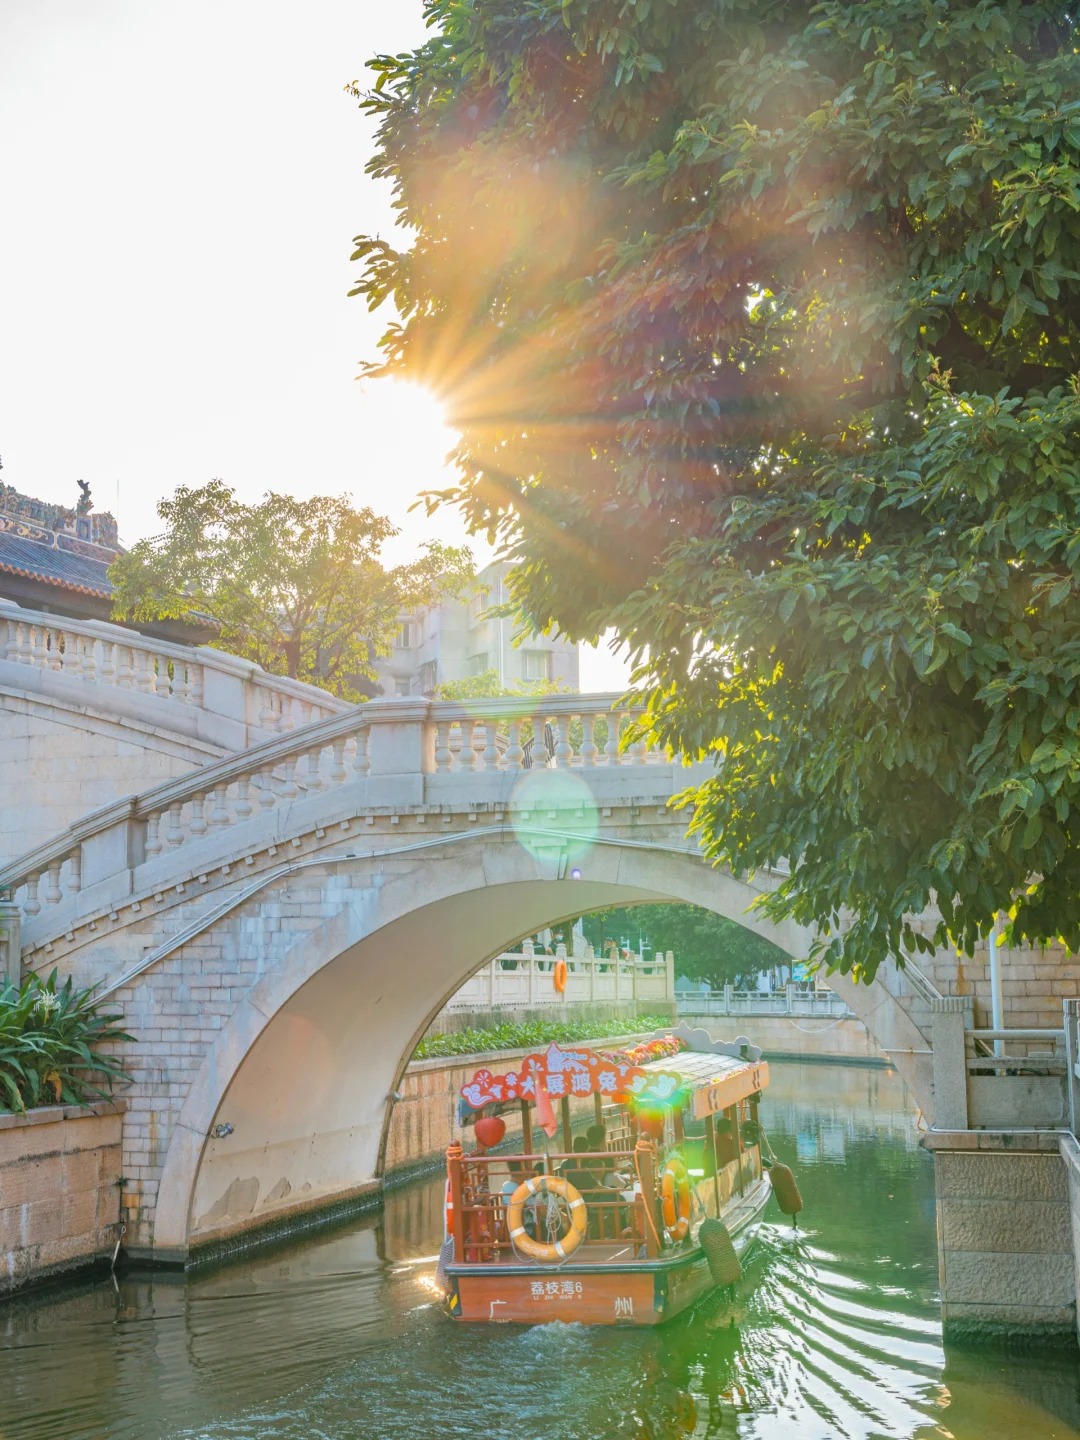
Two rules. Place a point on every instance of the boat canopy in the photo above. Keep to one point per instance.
(712, 1082)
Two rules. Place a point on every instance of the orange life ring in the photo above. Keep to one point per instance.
(556, 1250)
(675, 1199)
(559, 976)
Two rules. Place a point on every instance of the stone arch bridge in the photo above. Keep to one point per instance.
(280, 924)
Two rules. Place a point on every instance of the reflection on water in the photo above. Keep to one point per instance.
(835, 1332)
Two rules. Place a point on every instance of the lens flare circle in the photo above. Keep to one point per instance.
(546, 800)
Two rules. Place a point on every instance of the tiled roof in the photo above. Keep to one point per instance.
(51, 566)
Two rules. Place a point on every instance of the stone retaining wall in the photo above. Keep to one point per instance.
(1005, 1241)
(784, 1037)
(59, 1190)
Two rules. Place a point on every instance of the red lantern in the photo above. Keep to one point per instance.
(489, 1130)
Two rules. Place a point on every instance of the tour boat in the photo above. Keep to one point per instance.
(636, 1227)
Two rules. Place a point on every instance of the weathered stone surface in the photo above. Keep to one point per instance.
(59, 1197)
(994, 1278)
(989, 1176)
(1002, 1226)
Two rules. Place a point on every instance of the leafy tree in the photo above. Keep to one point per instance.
(488, 686)
(761, 326)
(295, 585)
(706, 946)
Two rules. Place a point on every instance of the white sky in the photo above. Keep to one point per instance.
(179, 186)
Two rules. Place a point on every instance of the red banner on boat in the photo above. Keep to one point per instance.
(569, 1072)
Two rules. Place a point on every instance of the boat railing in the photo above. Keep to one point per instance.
(616, 1216)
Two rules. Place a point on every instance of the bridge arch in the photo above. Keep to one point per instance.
(304, 1067)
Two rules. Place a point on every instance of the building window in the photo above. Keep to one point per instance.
(402, 687)
(536, 664)
(406, 636)
(478, 664)
(426, 678)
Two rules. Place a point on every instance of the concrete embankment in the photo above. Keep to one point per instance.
(797, 1037)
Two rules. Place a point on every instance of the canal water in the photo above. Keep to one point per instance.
(835, 1332)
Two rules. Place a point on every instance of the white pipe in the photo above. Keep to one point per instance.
(997, 1021)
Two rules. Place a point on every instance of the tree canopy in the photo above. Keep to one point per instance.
(760, 323)
(295, 585)
(706, 946)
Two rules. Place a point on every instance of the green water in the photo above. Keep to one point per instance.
(339, 1337)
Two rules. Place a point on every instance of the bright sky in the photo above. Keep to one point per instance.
(179, 185)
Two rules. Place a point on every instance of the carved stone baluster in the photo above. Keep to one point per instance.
(32, 904)
(491, 750)
(514, 756)
(197, 824)
(72, 658)
(180, 688)
(338, 773)
(53, 894)
(174, 832)
(289, 789)
(39, 655)
(539, 754)
(195, 677)
(564, 751)
(266, 711)
(611, 748)
(18, 642)
(54, 640)
(313, 781)
(219, 811)
(153, 835)
(89, 659)
(74, 877)
(636, 750)
(362, 758)
(144, 677)
(467, 755)
(242, 806)
(10, 646)
(164, 679)
(444, 757)
(267, 789)
(589, 749)
(107, 672)
(125, 667)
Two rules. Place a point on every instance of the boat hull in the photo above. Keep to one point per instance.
(634, 1292)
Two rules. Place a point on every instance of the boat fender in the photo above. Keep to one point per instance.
(675, 1199)
(724, 1265)
(785, 1189)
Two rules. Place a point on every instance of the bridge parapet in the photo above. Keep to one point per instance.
(406, 754)
(193, 690)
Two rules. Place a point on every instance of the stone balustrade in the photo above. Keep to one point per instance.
(404, 753)
(524, 980)
(824, 1004)
(134, 674)
(1005, 1079)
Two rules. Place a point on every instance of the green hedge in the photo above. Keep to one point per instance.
(49, 1045)
(532, 1032)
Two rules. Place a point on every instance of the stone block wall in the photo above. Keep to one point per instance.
(1005, 1239)
(59, 1190)
(58, 765)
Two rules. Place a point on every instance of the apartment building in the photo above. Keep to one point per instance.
(458, 639)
